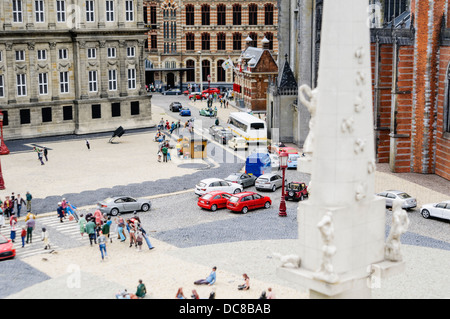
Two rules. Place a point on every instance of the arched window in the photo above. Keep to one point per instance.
(221, 14)
(190, 42)
(206, 70)
(190, 74)
(190, 14)
(221, 73)
(269, 36)
(205, 14)
(206, 41)
(221, 41)
(237, 14)
(237, 41)
(252, 14)
(268, 14)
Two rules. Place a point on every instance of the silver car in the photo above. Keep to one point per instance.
(408, 202)
(241, 178)
(122, 204)
(270, 181)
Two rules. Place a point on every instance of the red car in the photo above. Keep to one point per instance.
(243, 202)
(196, 96)
(6, 248)
(211, 91)
(214, 200)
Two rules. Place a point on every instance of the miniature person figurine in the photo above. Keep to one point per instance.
(400, 223)
(326, 272)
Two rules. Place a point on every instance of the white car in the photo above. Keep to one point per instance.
(216, 184)
(440, 210)
(270, 181)
(391, 195)
(238, 143)
(275, 161)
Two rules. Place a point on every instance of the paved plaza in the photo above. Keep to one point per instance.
(189, 241)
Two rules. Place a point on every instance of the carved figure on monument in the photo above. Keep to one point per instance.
(400, 223)
(289, 261)
(326, 272)
(311, 105)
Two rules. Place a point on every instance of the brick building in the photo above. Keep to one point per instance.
(410, 52)
(189, 40)
(72, 67)
(252, 73)
(411, 60)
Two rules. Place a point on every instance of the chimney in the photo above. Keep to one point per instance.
(265, 43)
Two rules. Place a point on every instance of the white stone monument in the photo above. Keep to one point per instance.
(342, 224)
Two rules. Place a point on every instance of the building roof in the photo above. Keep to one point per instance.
(286, 78)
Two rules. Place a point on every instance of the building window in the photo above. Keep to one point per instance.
(206, 41)
(39, 11)
(268, 14)
(43, 83)
(111, 53)
(237, 41)
(25, 116)
(269, 36)
(221, 73)
(20, 55)
(63, 54)
(42, 55)
(190, 74)
(90, 13)
(252, 14)
(190, 41)
(91, 53)
(17, 11)
(46, 114)
(92, 81)
(112, 80)
(130, 52)
(109, 11)
(190, 14)
(131, 79)
(152, 15)
(67, 113)
(221, 14)
(2, 86)
(129, 10)
(64, 82)
(96, 111)
(221, 41)
(206, 70)
(153, 42)
(61, 11)
(21, 84)
(237, 14)
(115, 109)
(254, 37)
(134, 108)
(205, 14)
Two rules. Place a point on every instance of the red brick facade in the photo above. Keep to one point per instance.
(410, 86)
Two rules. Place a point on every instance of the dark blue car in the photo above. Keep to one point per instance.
(185, 111)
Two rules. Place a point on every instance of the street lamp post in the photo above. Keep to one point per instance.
(283, 166)
(201, 71)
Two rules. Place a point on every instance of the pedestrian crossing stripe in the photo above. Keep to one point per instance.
(71, 229)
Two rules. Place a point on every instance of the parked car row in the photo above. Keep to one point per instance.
(439, 209)
(242, 202)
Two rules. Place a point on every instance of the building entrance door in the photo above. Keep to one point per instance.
(170, 80)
